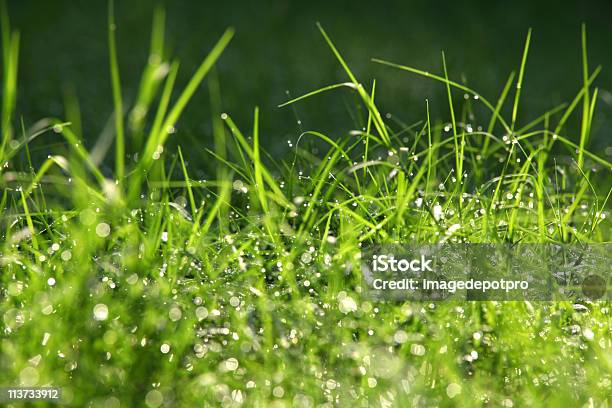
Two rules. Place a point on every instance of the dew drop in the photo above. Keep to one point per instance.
(453, 389)
(102, 230)
(231, 364)
(100, 312)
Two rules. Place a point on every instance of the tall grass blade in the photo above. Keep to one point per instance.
(519, 83)
(117, 98)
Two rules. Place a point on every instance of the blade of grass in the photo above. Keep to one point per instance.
(259, 182)
(496, 114)
(117, 98)
(249, 151)
(574, 103)
(194, 83)
(257, 165)
(458, 149)
(451, 83)
(519, 83)
(369, 129)
(586, 104)
(187, 183)
(29, 221)
(10, 52)
(219, 136)
(378, 121)
(159, 138)
(72, 110)
(316, 92)
(152, 77)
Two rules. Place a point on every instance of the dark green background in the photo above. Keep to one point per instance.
(277, 48)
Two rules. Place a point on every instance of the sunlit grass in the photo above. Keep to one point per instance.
(148, 286)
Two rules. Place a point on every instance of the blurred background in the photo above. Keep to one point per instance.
(277, 48)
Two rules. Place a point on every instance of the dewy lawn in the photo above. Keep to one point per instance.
(126, 281)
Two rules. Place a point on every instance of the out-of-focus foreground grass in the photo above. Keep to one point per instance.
(146, 286)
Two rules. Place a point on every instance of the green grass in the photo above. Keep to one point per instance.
(150, 287)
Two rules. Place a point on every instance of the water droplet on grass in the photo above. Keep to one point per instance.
(306, 258)
(132, 279)
(175, 313)
(437, 212)
(453, 228)
(453, 389)
(103, 230)
(417, 349)
(201, 313)
(400, 336)
(100, 312)
(237, 396)
(66, 255)
(278, 391)
(154, 399)
(231, 364)
(28, 377)
(331, 384)
(347, 304)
